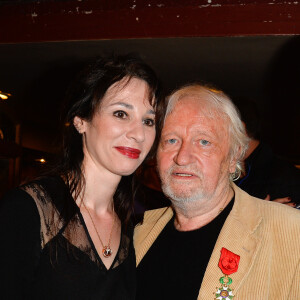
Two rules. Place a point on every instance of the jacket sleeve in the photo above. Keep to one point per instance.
(295, 286)
(20, 243)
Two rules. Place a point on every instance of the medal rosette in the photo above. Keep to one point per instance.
(228, 263)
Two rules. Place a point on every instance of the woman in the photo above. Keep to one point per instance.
(68, 235)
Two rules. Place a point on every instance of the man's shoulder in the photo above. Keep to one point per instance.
(271, 212)
(278, 211)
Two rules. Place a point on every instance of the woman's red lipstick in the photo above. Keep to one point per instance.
(129, 152)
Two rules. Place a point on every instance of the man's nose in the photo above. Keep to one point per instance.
(185, 155)
(136, 131)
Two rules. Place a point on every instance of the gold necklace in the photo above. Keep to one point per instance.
(106, 250)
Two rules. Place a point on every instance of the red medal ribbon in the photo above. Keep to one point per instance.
(229, 262)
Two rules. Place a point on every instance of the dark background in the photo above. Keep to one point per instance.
(246, 48)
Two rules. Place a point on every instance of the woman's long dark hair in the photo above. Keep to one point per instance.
(83, 99)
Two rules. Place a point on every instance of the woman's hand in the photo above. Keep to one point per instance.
(285, 200)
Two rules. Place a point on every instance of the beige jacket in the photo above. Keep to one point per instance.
(266, 235)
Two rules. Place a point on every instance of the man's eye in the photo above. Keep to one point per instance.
(172, 141)
(149, 122)
(120, 114)
(204, 142)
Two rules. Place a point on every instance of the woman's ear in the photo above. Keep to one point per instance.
(79, 125)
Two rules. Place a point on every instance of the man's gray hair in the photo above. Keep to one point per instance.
(221, 104)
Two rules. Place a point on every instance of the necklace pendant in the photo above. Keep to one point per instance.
(106, 251)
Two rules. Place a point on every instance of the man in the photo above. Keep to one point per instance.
(213, 229)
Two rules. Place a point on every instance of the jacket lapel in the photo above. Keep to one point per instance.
(239, 235)
(146, 233)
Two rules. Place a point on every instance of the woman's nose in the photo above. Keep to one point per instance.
(184, 155)
(136, 131)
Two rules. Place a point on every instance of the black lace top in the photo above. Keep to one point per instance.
(47, 253)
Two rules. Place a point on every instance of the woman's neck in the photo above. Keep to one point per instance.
(100, 187)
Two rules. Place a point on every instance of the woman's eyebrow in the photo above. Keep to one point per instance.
(129, 106)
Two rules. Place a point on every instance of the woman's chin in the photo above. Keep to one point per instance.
(126, 171)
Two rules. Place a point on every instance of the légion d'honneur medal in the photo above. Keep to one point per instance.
(228, 263)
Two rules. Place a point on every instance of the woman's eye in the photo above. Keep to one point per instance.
(204, 142)
(149, 122)
(120, 114)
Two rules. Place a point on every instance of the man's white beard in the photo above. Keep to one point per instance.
(184, 197)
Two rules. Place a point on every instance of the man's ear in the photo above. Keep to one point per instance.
(79, 124)
(232, 166)
(234, 160)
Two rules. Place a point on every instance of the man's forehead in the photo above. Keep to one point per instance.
(196, 107)
(196, 113)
